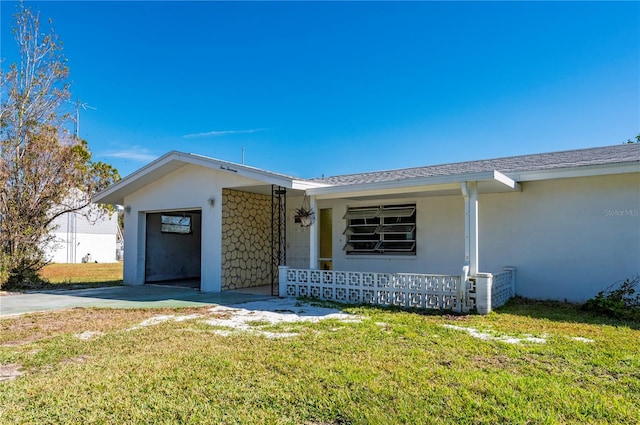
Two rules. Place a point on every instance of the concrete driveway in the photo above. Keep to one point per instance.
(146, 296)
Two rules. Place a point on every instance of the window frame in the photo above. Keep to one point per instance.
(381, 230)
(167, 226)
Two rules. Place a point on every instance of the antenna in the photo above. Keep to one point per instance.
(78, 106)
(243, 155)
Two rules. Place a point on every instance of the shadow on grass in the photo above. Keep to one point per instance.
(537, 309)
(386, 308)
(561, 312)
(61, 286)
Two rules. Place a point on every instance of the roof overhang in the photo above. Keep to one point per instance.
(488, 182)
(175, 160)
(580, 171)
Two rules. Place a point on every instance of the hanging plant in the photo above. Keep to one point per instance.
(305, 215)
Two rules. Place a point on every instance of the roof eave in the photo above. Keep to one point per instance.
(112, 194)
(578, 171)
(116, 193)
(500, 183)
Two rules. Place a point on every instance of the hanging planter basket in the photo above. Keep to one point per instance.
(305, 214)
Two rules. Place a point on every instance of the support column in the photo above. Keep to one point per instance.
(282, 280)
(484, 282)
(470, 194)
(211, 251)
(134, 257)
(313, 235)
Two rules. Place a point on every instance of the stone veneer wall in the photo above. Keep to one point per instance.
(246, 239)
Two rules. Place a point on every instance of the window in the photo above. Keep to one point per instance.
(176, 224)
(389, 229)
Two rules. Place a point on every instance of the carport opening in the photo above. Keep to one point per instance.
(173, 248)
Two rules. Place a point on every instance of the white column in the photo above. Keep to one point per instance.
(313, 235)
(484, 282)
(211, 248)
(134, 259)
(282, 280)
(470, 193)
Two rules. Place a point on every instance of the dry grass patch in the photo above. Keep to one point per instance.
(24, 329)
(492, 362)
(82, 273)
(10, 371)
(71, 276)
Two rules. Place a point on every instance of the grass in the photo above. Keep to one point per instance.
(74, 276)
(82, 273)
(391, 367)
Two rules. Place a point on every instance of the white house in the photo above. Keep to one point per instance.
(566, 224)
(80, 237)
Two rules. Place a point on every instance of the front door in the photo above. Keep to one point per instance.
(326, 239)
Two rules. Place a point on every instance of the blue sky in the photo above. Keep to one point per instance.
(335, 88)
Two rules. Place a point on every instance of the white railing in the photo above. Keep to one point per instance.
(503, 287)
(407, 290)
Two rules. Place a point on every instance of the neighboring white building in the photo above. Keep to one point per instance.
(568, 222)
(81, 239)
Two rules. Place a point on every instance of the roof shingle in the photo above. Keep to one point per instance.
(510, 165)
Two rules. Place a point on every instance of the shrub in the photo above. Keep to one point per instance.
(620, 300)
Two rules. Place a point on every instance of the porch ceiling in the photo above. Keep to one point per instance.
(488, 182)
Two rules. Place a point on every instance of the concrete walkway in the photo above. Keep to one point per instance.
(146, 296)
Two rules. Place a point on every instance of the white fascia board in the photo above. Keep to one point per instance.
(582, 171)
(136, 175)
(117, 192)
(243, 170)
(425, 184)
(306, 185)
(506, 180)
(103, 197)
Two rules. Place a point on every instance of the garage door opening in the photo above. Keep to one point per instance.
(173, 248)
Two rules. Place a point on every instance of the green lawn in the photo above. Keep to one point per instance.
(391, 367)
(72, 276)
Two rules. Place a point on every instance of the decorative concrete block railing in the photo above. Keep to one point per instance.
(503, 287)
(407, 290)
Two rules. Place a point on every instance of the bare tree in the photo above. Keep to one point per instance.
(45, 170)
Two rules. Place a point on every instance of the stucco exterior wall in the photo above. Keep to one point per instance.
(568, 238)
(187, 188)
(102, 248)
(439, 233)
(246, 239)
(76, 236)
